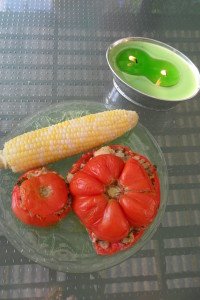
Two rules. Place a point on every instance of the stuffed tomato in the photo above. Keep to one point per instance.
(116, 195)
(40, 198)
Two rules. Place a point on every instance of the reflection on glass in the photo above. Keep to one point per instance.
(26, 5)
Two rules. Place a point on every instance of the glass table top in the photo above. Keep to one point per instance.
(55, 51)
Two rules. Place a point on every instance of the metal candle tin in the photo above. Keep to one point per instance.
(137, 96)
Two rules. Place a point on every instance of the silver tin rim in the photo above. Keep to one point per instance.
(156, 105)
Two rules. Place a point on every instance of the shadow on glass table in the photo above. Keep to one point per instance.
(155, 120)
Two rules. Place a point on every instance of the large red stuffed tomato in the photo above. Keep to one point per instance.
(116, 194)
(40, 198)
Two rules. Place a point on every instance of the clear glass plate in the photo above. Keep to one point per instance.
(66, 247)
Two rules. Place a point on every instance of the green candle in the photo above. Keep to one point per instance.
(154, 69)
(135, 61)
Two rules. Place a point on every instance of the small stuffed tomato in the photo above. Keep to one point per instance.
(40, 198)
(116, 195)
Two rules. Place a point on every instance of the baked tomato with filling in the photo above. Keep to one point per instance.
(40, 198)
(116, 195)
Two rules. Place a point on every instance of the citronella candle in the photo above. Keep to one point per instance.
(147, 71)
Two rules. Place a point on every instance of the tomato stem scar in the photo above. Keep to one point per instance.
(113, 191)
(45, 191)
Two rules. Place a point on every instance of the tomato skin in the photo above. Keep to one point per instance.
(85, 184)
(34, 208)
(139, 211)
(112, 217)
(113, 225)
(106, 169)
(134, 177)
(90, 209)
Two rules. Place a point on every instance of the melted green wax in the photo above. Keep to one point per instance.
(135, 61)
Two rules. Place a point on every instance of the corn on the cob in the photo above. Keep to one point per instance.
(52, 143)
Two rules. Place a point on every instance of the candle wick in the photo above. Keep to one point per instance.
(132, 58)
(158, 82)
(163, 73)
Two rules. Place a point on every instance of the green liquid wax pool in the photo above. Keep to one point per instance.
(154, 70)
(137, 62)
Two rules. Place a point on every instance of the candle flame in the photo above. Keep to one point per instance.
(132, 58)
(163, 72)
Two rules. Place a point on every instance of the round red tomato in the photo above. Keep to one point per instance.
(40, 198)
(116, 195)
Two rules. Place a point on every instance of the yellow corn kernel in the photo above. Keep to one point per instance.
(52, 143)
